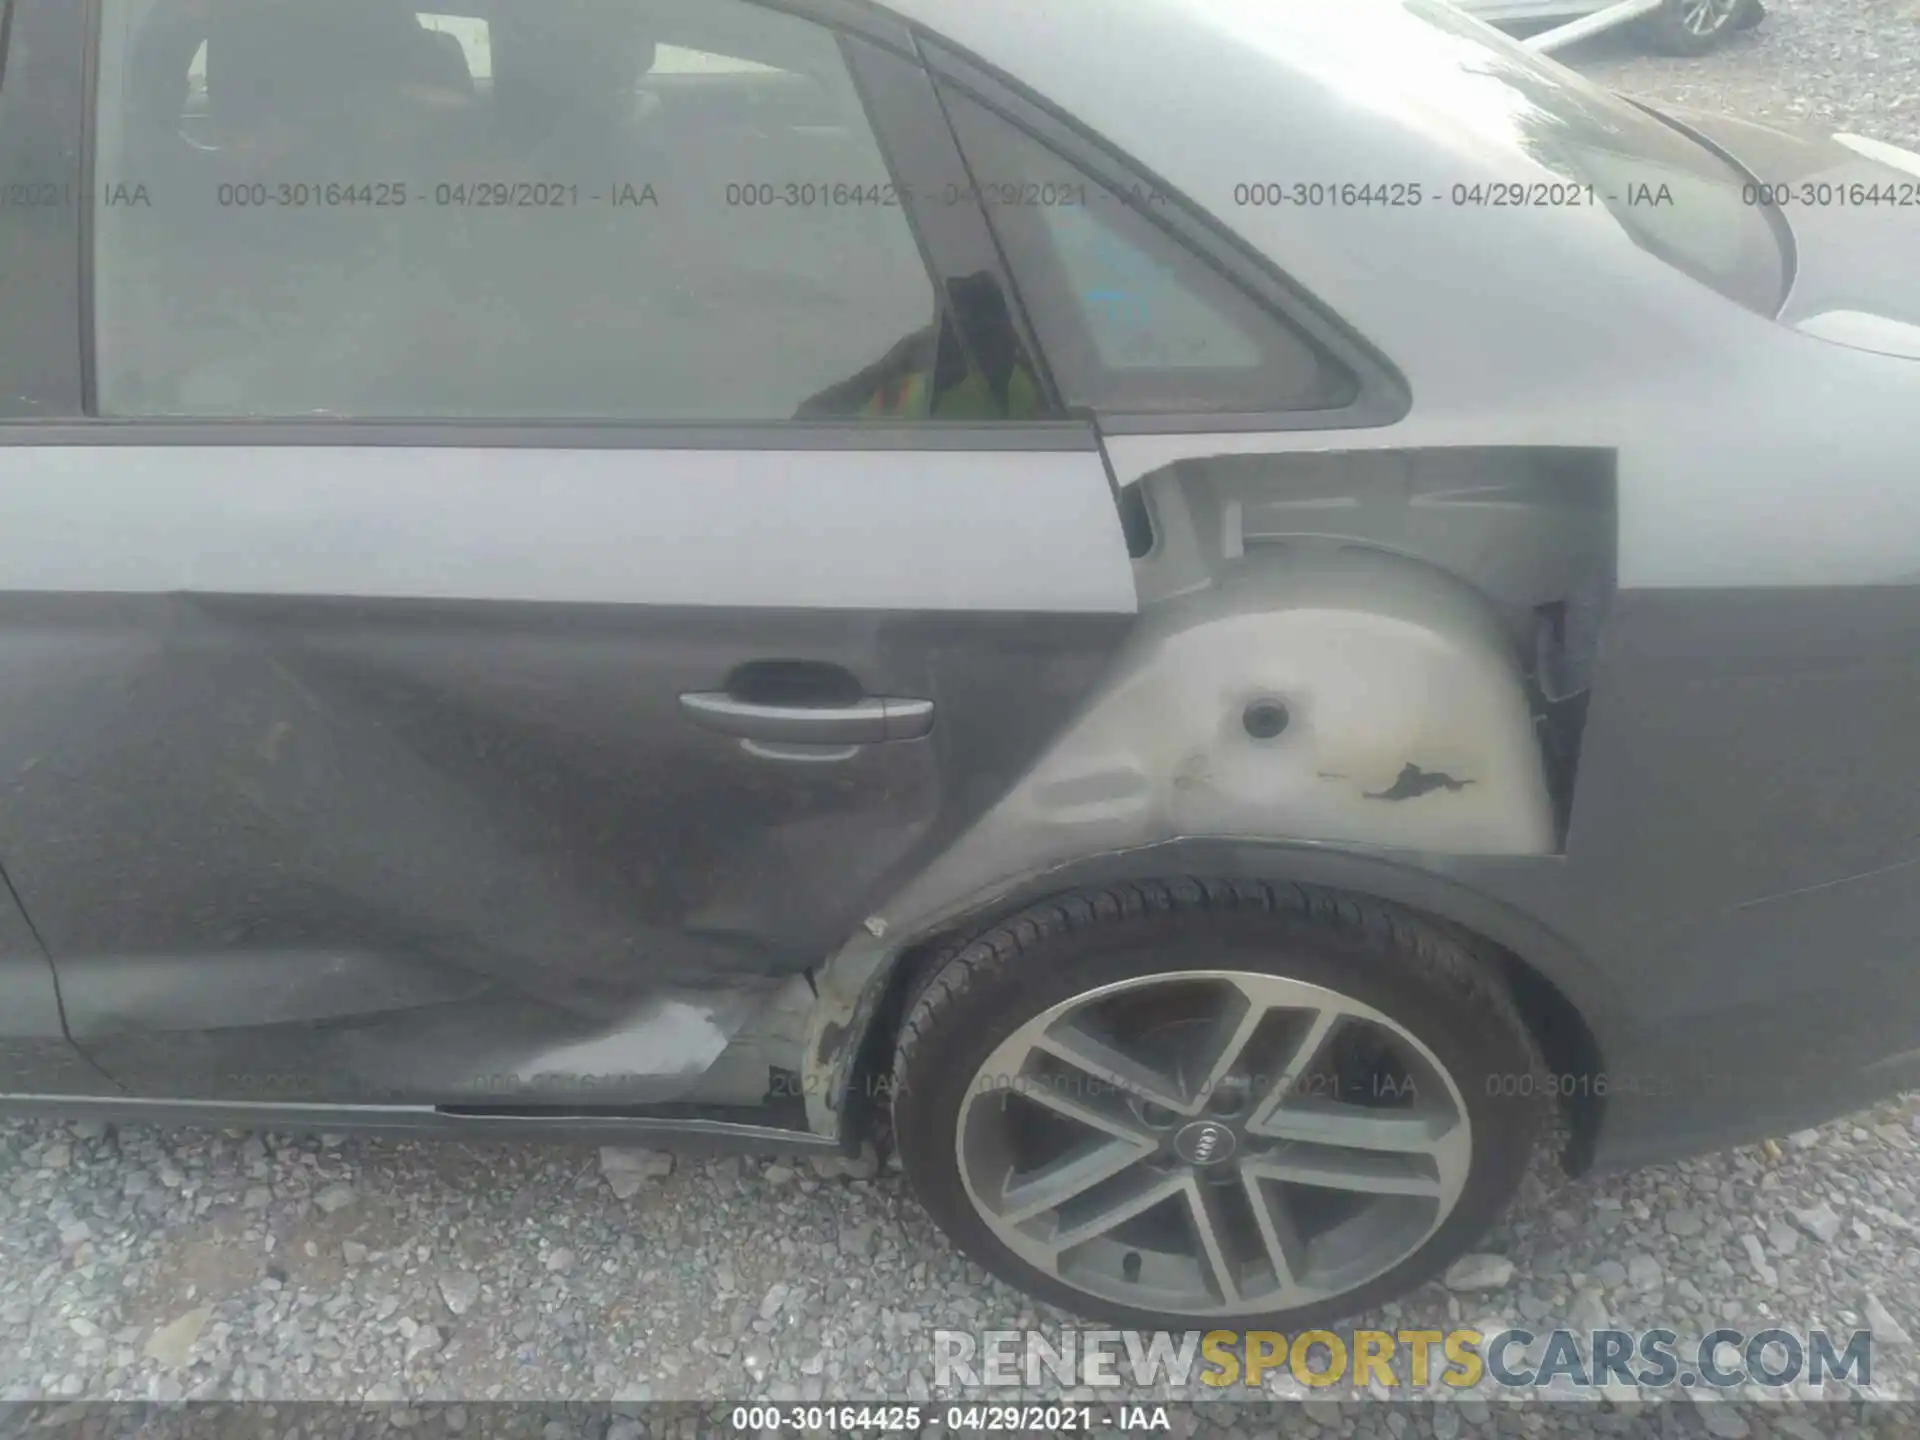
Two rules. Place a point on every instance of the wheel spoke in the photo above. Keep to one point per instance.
(1699, 17)
(1145, 1190)
(1104, 1113)
(1354, 1127)
(1286, 1251)
(1074, 1173)
(1305, 1050)
(1226, 1042)
(1069, 1042)
(1357, 1170)
(1213, 1243)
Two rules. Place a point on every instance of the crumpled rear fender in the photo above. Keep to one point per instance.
(1333, 697)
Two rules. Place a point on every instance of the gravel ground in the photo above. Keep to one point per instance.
(1829, 64)
(140, 1263)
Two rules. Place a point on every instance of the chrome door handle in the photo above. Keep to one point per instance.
(864, 722)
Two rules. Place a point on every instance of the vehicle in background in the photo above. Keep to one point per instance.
(1671, 27)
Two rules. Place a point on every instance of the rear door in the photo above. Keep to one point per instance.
(36, 1058)
(522, 558)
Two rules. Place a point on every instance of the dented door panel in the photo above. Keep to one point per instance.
(342, 844)
(36, 1058)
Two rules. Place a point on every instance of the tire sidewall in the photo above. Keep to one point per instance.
(1477, 1051)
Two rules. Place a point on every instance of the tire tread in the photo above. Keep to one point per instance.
(1446, 951)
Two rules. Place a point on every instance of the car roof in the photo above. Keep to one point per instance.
(1211, 95)
(1379, 71)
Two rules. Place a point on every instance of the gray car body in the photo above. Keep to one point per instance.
(1677, 538)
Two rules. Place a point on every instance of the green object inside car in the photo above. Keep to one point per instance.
(970, 398)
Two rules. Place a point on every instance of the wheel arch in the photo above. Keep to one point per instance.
(850, 1054)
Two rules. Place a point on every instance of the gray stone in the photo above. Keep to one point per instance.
(173, 1342)
(864, 1166)
(1588, 1312)
(1819, 1221)
(336, 1197)
(630, 1397)
(459, 1290)
(1722, 1421)
(628, 1171)
(1684, 1224)
(1479, 1271)
(857, 1240)
(1886, 1330)
(424, 1341)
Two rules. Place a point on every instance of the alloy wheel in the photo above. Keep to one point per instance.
(1213, 1143)
(1706, 17)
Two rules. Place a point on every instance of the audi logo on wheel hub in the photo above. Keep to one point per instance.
(1204, 1142)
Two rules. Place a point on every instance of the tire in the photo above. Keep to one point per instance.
(1665, 31)
(1422, 976)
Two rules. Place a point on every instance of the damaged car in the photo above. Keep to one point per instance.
(1212, 663)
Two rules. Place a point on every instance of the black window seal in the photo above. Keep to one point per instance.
(89, 147)
(190, 432)
(1383, 396)
(923, 156)
(6, 34)
(40, 133)
(850, 17)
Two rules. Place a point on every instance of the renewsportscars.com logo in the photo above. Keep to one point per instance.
(1404, 1361)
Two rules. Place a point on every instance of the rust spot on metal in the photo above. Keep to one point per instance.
(1413, 782)
(832, 1035)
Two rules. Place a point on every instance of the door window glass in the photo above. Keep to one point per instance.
(669, 210)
